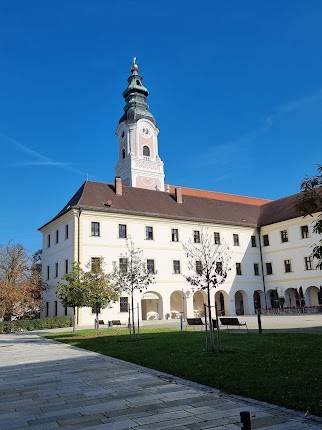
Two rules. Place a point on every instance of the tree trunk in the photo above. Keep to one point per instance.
(132, 305)
(211, 337)
(74, 320)
(97, 323)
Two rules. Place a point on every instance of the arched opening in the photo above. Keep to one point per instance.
(199, 299)
(123, 153)
(146, 151)
(151, 305)
(241, 303)
(178, 304)
(313, 296)
(259, 301)
(273, 301)
(221, 300)
(292, 298)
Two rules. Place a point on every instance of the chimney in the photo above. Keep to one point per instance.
(178, 195)
(118, 186)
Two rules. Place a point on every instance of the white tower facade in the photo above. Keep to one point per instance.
(139, 164)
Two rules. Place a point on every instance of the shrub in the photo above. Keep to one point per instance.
(36, 324)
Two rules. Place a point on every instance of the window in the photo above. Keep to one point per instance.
(95, 229)
(56, 270)
(56, 308)
(48, 241)
(122, 231)
(265, 240)
(253, 239)
(175, 235)
(150, 266)
(217, 238)
(48, 272)
(238, 269)
(236, 239)
(305, 231)
(308, 263)
(123, 153)
(196, 236)
(47, 309)
(124, 304)
(256, 269)
(123, 265)
(149, 233)
(96, 310)
(95, 263)
(57, 236)
(66, 231)
(219, 267)
(176, 267)
(66, 266)
(146, 151)
(287, 266)
(269, 269)
(66, 311)
(284, 236)
(199, 267)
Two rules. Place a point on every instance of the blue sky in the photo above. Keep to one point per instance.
(235, 87)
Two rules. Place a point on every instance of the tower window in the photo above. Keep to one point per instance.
(138, 83)
(123, 153)
(146, 151)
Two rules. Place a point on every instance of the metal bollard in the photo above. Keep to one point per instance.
(260, 330)
(245, 420)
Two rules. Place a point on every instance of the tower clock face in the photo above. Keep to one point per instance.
(145, 130)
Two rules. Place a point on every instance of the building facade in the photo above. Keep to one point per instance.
(269, 243)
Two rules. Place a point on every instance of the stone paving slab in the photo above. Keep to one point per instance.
(49, 385)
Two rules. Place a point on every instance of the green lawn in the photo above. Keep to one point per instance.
(281, 368)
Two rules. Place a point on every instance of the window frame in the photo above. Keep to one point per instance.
(265, 238)
(124, 226)
(236, 239)
(57, 237)
(122, 301)
(48, 273)
(95, 261)
(147, 232)
(238, 269)
(56, 269)
(284, 236)
(217, 239)
(151, 262)
(269, 272)
(196, 236)
(306, 229)
(95, 224)
(123, 264)
(253, 241)
(174, 235)
(200, 269)
(66, 231)
(48, 240)
(308, 262)
(176, 264)
(66, 266)
(287, 265)
(256, 269)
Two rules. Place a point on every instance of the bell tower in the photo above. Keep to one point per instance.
(139, 164)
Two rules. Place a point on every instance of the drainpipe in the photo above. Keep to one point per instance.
(262, 265)
(78, 251)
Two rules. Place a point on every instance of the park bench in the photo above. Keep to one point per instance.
(232, 322)
(195, 322)
(114, 323)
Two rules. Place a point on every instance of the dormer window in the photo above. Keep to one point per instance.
(123, 153)
(146, 151)
(123, 133)
(138, 83)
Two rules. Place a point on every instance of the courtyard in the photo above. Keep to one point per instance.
(51, 385)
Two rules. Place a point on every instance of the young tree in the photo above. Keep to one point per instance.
(20, 283)
(131, 274)
(100, 291)
(310, 202)
(208, 264)
(72, 291)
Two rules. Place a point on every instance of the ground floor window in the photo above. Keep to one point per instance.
(124, 304)
(47, 309)
(56, 308)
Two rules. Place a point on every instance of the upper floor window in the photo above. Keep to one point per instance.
(305, 231)
(146, 151)
(95, 228)
(198, 267)
(256, 269)
(238, 269)
(176, 267)
(236, 239)
(265, 240)
(66, 266)
(95, 263)
(196, 236)
(123, 264)
(122, 231)
(219, 267)
(269, 269)
(124, 304)
(253, 239)
(123, 153)
(217, 238)
(287, 266)
(66, 231)
(57, 236)
(56, 270)
(308, 263)
(48, 241)
(150, 266)
(149, 233)
(175, 235)
(284, 236)
(48, 272)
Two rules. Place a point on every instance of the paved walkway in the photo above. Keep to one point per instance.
(47, 385)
